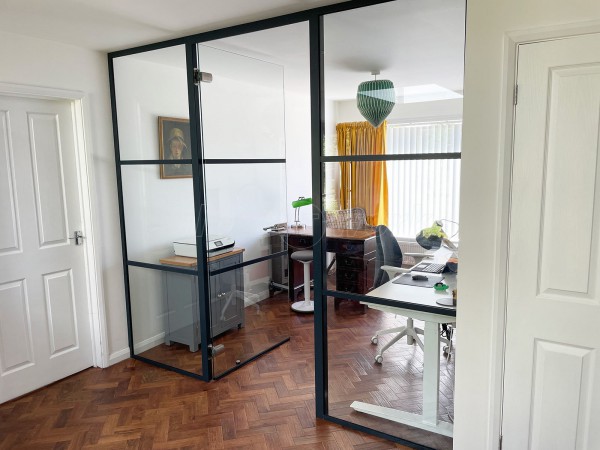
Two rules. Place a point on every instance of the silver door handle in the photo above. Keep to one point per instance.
(78, 236)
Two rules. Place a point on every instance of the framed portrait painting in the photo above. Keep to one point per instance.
(174, 140)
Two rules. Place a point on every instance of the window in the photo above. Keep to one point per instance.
(426, 188)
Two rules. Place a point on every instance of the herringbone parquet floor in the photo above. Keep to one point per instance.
(268, 404)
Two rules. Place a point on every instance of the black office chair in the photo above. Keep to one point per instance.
(387, 265)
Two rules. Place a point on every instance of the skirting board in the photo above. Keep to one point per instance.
(146, 344)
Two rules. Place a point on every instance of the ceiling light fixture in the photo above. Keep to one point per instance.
(376, 99)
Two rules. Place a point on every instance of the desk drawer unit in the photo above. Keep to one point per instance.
(355, 273)
(355, 262)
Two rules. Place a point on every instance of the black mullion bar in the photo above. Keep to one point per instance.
(162, 267)
(406, 157)
(244, 161)
(248, 263)
(166, 366)
(392, 303)
(373, 432)
(133, 162)
(199, 209)
(317, 115)
(263, 24)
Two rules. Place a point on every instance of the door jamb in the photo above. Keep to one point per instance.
(512, 41)
(95, 291)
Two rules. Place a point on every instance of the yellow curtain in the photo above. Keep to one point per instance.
(363, 184)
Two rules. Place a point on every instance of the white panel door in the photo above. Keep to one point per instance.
(552, 365)
(44, 314)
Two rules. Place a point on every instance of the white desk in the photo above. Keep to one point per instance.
(431, 364)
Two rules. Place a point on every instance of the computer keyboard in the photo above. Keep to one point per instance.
(428, 267)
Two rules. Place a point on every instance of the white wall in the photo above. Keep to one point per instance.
(29, 61)
(479, 339)
(157, 211)
(348, 112)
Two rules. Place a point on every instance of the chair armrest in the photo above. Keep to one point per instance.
(392, 271)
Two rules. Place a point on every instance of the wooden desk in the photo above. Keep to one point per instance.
(355, 258)
(431, 362)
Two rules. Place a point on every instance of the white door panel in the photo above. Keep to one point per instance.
(10, 240)
(44, 313)
(552, 368)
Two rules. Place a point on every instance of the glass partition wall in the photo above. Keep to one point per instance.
(209, 162)
(200, 195)
(390, 167)
(157, 188)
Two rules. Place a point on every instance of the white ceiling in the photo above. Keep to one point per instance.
(109, 25)
(412, 42)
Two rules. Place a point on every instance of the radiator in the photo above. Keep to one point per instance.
(409, 246)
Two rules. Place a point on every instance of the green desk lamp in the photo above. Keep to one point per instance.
(297, 204)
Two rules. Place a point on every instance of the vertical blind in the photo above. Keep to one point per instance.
(423, 190)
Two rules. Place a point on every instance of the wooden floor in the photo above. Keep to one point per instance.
(267, 404)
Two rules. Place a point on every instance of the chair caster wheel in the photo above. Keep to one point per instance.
(379, 359)
(374, 340)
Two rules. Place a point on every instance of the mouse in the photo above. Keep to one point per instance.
(420, 277)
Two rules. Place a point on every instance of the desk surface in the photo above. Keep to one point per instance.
(417, 295)
(331, 233)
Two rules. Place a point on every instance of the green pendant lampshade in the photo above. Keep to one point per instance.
(375, 100)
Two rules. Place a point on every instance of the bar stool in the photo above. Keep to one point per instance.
(306, 305)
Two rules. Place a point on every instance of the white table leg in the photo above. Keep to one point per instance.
(410, 324)
(431, 373)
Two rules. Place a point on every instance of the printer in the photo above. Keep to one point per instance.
(216, 244)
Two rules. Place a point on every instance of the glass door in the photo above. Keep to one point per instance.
(244, 160)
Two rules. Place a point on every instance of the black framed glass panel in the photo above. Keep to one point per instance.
(165, 317)
(152, 107)
(400, 61)
(158, 212)
(392, 103)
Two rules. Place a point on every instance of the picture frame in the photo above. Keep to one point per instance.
(174, 141)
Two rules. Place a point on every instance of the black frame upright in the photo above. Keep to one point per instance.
(314, 17)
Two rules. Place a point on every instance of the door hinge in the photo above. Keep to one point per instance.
(516, 94)
(202, 77)
(214, 350)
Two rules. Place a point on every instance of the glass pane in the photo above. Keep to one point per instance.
(259, 90)
(152, 103)
(248, 316)
(165, 317)
(419, 193)
(357, 383)
(242, 200)
(418, 48)
(159, 215)
(384, 361)
(245, 94)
